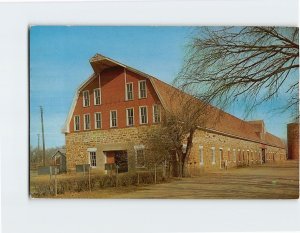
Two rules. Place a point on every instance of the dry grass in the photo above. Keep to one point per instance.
(269, 181)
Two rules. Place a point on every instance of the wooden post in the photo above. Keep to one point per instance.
(138, 178)
(55, 182)
(155, 173)
(90, 179)
(164, 169)
(117, 168)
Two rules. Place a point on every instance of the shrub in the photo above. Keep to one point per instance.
(79, 184)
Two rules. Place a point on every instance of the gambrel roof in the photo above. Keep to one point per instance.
(220, 122)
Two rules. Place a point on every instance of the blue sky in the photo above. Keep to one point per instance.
(59, 63)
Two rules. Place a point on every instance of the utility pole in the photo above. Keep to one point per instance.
(43, 136)
(38, 141)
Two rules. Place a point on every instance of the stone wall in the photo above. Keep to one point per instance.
(78, 144)
(236, 152)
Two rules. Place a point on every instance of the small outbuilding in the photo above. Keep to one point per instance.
(59, 160)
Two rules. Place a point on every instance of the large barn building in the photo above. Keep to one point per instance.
(115, 107)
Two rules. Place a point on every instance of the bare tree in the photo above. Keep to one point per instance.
(184, 115)
(252, 64)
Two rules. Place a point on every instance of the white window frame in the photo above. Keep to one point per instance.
(136, 148)
(127, 117)
(126, 88)
(229, 153)
(84, 121)
(110, 121)
(75, 123)
(140, 115)
(213, 155)
(83, 98)
(142, 81)
(153, 112)
(221, 151)
(234, 155)
(91, 161)
(95, 118)
(201, 156)
(99, 89)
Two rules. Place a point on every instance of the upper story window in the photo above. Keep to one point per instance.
(129, 91)
(98, 120)
(87, 122)
(97, 96)
(156, 113)
(129, 117)
(86, 99)
(113, 118)
(76, 123)
(143, 115)
(142, 89)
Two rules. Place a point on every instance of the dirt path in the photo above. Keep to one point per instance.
(279, 181)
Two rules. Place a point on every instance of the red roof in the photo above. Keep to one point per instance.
(218, 120)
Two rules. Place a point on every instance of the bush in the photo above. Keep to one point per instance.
(79, 184)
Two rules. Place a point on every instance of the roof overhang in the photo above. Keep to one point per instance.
(100, 63)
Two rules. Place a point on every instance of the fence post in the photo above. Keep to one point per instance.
(55, 181)
(117, 168)
(90, 179)
(155, 173)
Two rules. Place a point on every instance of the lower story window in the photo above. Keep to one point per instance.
(213, 155)
(93, 159)
(201, 155)
(140, 155)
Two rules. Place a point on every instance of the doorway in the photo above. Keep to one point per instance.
(119, 158)
(263, 155)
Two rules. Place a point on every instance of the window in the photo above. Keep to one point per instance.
(140, 155)
(93, 162)
(130, 118)
(97, 96)
(213, 155)
(113, 118)
(156, 113)
(221, 157)
(228, 154)
(142, 89)
(129, 91)
(143, 115)
(76, 123)
(201, 155)
(87, 123)
(234, 156)
(98, 120)
(86, 99)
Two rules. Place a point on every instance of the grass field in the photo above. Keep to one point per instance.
(268, 181)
